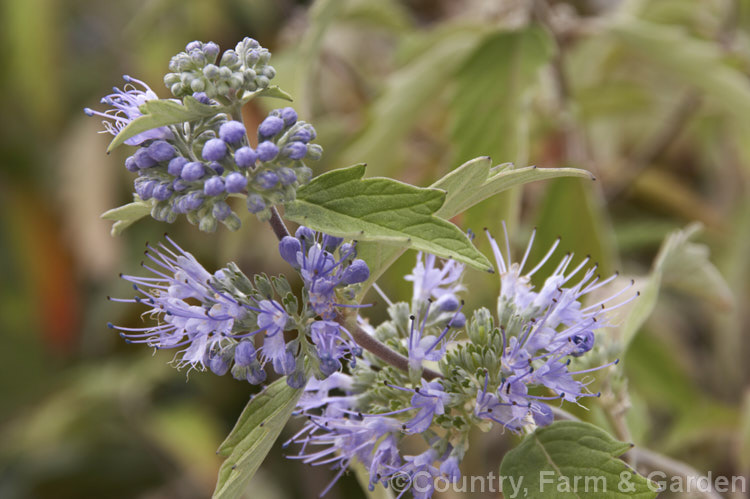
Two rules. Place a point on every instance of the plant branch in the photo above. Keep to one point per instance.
(277, 224)
(362, 337)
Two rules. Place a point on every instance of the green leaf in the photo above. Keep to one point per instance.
(344, 204)
(272, 91)
(575, 212)
(467, 185)
(126, 215)
(571, 459)
(252, 437)
(491, 107)
(686, 58)
(475, 181)
(497, 78)
(684, 266)
(408, 92)
(163, 112)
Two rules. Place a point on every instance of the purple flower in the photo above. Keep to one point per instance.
(429, 401)
(548, 327)
(125, 107)
(321, 271)
(199, 328)
(433, 282)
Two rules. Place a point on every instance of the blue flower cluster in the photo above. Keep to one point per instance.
(213, 317)
(245, 68)
(326, 264)
(219, 319)
(192, 168)
(495, 376)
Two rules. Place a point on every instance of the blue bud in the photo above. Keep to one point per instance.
(217, 364)
(295, 150)
(358, 271)
(216, 166)
(201, 97)
(245, 353)
(211, 71)
(256, 375)
(213, 186)
(285, 364)
(348, 250)
(328, 366)
(304, 133)
(286, 175)
(255, 203)
(211, 50)
(193, 201)
(214, 150)
(161, 150)
(221, 210)
(288, 248)
(130, 164)
(458, 320)
(194, 45)
(289, 115)
(245, 157)
(297, 380)
(543, 415)
(145, 188)
(179, 185)
(267, 150)
(584, 342)
(267, 179)
(314, 152)
(330, 243)
(232, 132)
(448, 303)
(176, 165)
(162, 192)
(143, 159)
(235, 182)
(306, 235)
(270, 126)
(192, 171)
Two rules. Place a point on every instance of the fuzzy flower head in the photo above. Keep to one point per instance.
(314, 256)
(125, 107)
(538, 334)
(214, 328)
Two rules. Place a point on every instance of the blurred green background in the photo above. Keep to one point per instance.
(652, 97)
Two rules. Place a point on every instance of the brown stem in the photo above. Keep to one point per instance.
(277, 224)
(381, 351)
